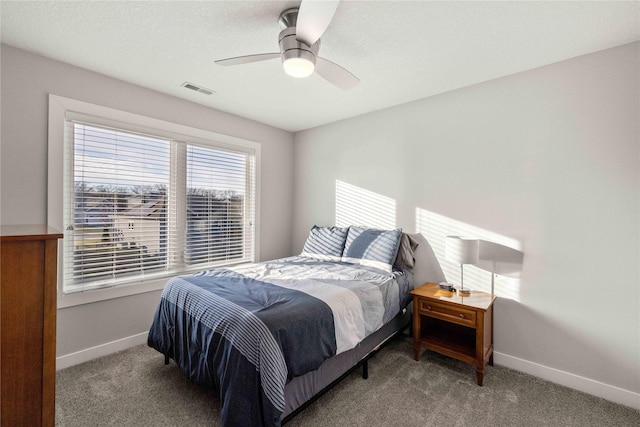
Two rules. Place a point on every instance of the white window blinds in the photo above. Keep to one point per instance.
(217, 208)
(141, 206)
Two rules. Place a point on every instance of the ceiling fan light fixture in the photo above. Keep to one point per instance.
(298, 67)
(298, 63)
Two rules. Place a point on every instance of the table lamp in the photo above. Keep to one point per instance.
(461, 251)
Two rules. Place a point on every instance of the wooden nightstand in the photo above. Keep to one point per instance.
(456, 326)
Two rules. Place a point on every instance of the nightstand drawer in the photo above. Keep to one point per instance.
(448, 312)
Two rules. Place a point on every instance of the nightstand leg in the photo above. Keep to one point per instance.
(479, 375)
(491, 360)
(415, 330)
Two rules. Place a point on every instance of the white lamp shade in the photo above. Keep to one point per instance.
(461, 251)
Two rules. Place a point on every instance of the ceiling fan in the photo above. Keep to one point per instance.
(299, 43)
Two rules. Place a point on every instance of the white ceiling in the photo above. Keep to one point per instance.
(401, 51)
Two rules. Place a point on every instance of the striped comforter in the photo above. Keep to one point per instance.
(247, 330)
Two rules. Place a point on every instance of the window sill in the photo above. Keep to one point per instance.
(97, 295)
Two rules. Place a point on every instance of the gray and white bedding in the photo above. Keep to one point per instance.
(248, 330)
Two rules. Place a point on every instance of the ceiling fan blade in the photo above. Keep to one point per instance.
(247, 59)
(313, 19)
(335, 74)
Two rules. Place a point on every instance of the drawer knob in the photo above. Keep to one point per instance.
(429, 307)
(461, 316)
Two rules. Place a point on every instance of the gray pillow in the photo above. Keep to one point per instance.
(405, 260)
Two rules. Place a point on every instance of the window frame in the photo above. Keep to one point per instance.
(62, 109)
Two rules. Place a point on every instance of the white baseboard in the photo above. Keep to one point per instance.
(100, 350)
(576, 382)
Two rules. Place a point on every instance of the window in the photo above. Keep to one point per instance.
(142, 203)
(139, 205)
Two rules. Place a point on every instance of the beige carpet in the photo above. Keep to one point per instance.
(135, 388)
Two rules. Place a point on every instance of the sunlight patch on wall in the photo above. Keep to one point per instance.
(436, 227)
(357, 206)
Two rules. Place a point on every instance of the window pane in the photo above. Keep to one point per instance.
(216, 205)
(119, 213)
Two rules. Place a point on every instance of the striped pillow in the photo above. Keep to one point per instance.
(326, 243)
(374, 248)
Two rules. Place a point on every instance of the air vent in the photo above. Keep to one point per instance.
(197, 88)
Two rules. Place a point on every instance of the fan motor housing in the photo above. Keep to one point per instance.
(290, 47)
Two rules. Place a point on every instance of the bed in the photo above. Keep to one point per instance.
(271, 336)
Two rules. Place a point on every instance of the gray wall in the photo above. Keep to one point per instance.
(27, 81)
(545, 161)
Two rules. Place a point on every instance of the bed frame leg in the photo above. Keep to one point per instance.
(166, 359)
(365, 369)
